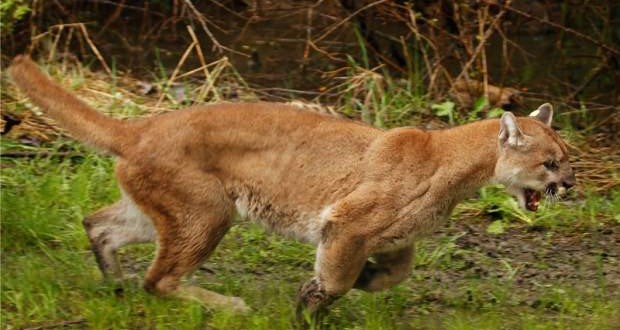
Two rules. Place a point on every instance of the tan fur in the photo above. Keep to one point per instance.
(353, 190)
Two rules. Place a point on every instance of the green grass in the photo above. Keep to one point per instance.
(49, 275)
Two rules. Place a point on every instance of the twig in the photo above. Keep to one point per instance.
(136, 8)
(60, 28)
(293, 91)
(201, 19)
(482, 18)
(514, 44)
(68, 39)
(175, 72)
(591, 75)
(308, 33)
(324, 52)
(216, 44)
(56, 26)
(198, 50)
(348, 18)
(413, 26)
(55, 44)
(482, 43)
(61, 7)
(191, 72)
(204, 92)
(220, 65)
(117, 12)
(94, 48)
(230, 11)
(34, 12)
(556, 25)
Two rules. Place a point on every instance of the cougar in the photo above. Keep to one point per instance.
(362, 195)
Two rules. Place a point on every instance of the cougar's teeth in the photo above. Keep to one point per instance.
(532, 198)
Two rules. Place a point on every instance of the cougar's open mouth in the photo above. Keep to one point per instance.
(531, 199)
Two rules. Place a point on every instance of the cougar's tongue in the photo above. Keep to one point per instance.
(531, 199)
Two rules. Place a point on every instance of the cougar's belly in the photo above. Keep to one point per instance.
(288, 220)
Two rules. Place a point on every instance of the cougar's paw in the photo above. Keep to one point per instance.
(239, 306)
(312, 294)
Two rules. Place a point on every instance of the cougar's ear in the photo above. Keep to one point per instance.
(544, 113)
(509, 132)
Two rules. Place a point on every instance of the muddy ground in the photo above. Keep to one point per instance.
(460, 264)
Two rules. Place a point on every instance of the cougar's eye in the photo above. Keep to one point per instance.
(551, 165)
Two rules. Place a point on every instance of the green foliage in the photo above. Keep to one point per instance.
(591, 212)
(374, 97)
(480, 104)
(495, 113)
(11, 11)
(445, 109)
(449, 111)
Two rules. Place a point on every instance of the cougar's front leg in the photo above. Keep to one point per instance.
(387, 270)
(337, 267)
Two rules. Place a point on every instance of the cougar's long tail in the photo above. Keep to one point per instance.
(83, 122)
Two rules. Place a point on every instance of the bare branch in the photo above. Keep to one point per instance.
(557, 26)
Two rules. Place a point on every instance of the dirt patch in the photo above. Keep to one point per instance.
(528, 260)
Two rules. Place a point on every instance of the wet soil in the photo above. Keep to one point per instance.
(471, 264)
(530, 260)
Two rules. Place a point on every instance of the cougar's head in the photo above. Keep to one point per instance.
(533, 158)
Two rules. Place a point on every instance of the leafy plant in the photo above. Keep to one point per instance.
(445, 109)
(12, 11)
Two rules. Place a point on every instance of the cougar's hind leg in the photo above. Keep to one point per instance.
(191, 213)
(182, 251)
(113, 227)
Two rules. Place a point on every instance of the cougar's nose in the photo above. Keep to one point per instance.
(570, 181)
